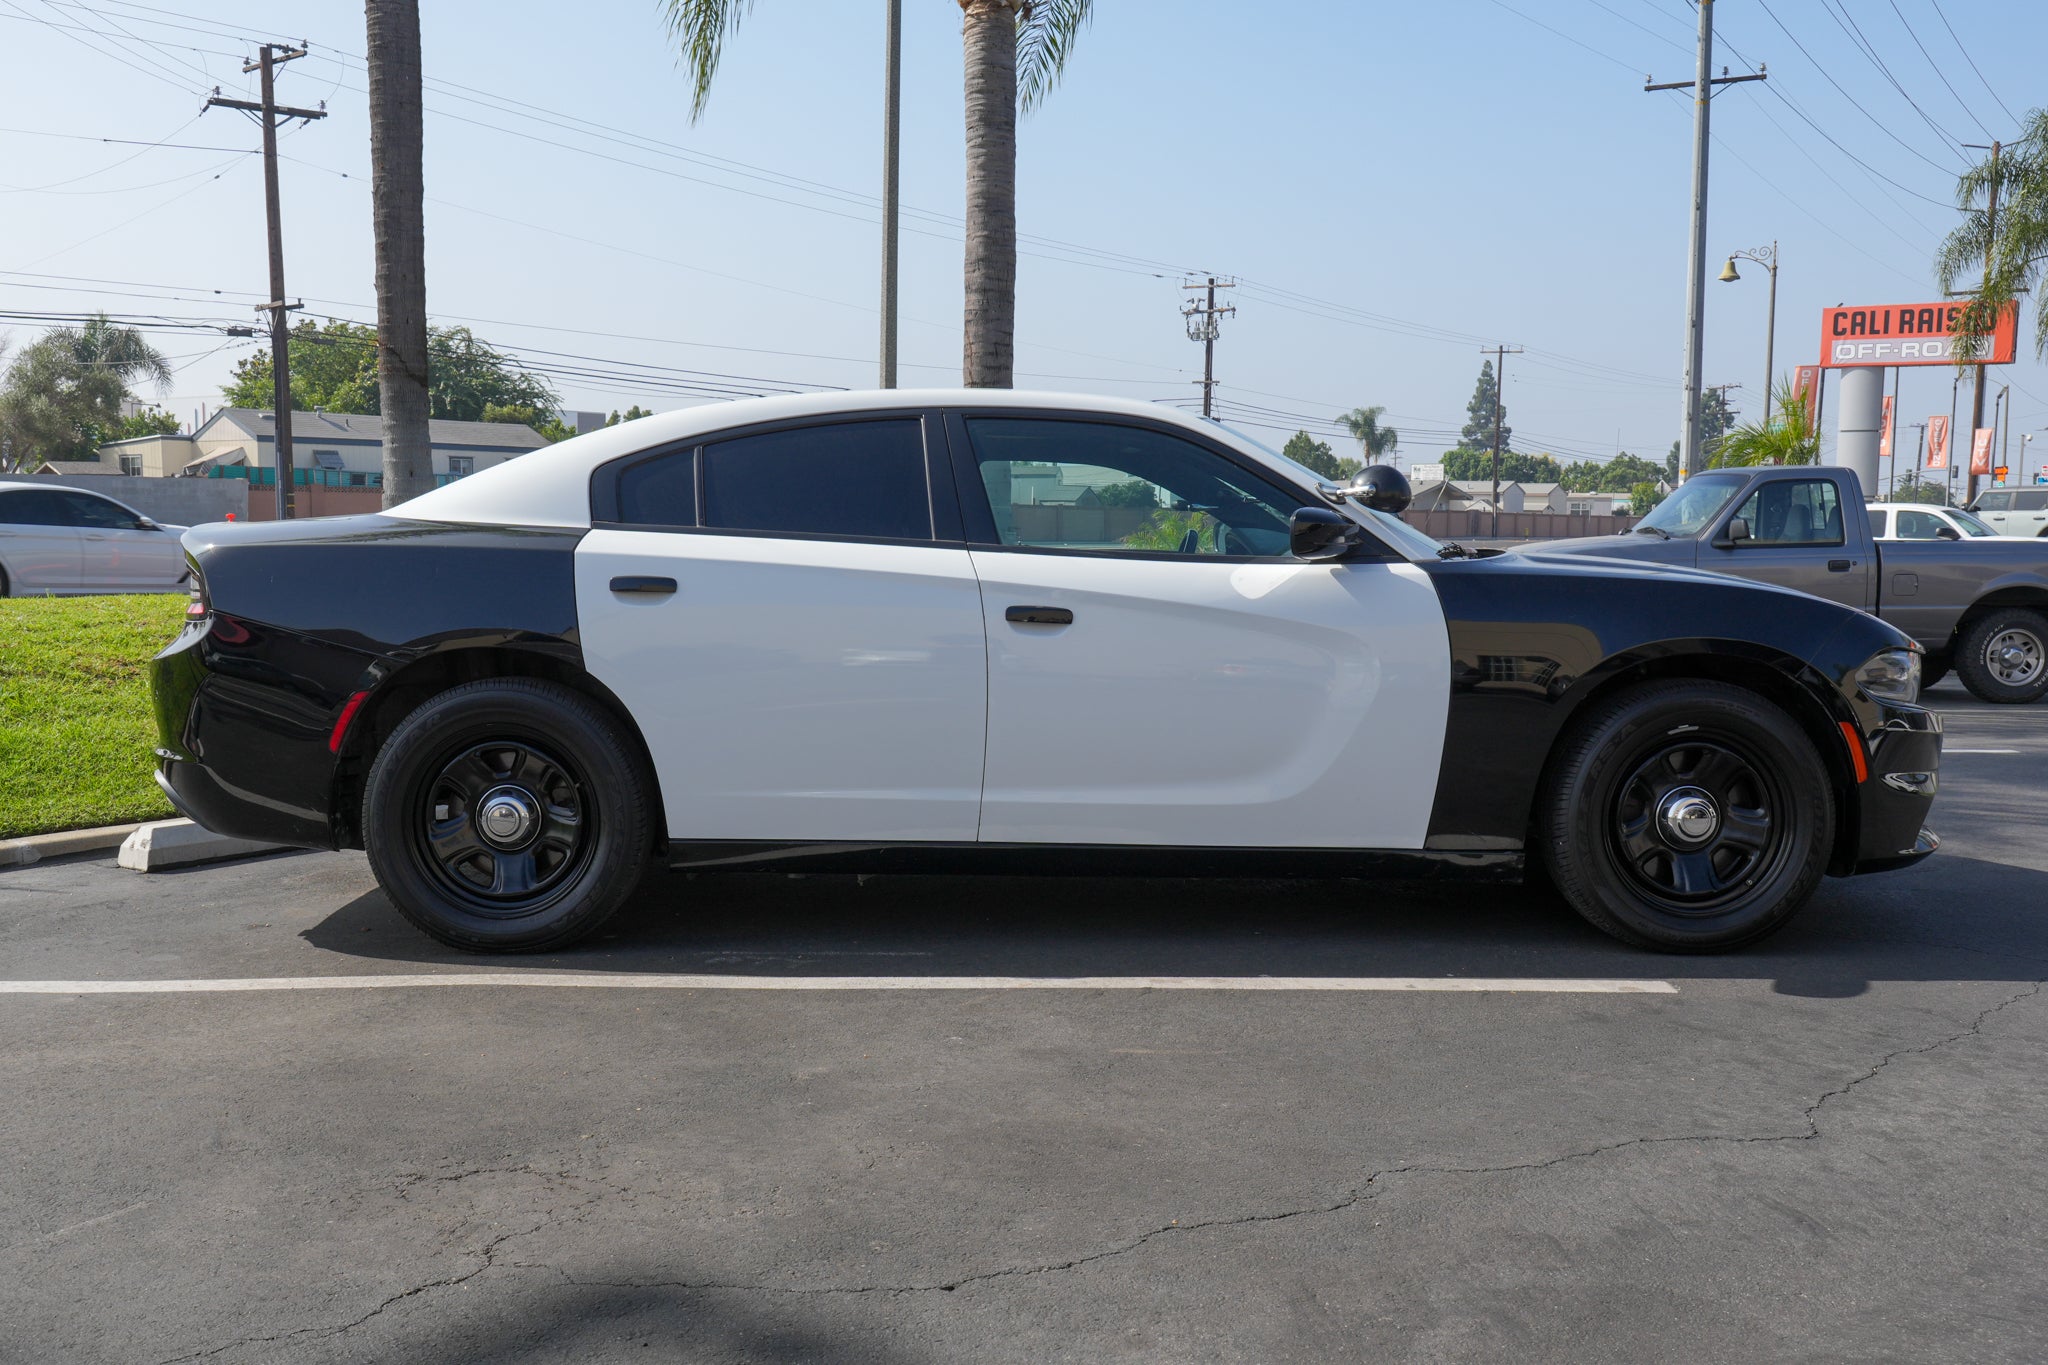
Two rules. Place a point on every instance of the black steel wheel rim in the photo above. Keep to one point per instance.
(502, 825)
(1697, 822)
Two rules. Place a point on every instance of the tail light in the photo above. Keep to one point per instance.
(198, 608)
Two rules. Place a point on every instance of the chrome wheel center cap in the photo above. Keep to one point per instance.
(1688, 816)
(507, 816)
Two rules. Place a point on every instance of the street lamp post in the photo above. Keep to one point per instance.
(1768, 258)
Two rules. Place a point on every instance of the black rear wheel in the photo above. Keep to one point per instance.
(1687, 816)
(510, 815)
(2002, 656)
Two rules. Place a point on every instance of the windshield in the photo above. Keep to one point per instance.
(1971, 526)
(1396, 532)
(1696, 502)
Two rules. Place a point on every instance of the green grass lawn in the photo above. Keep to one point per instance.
(75, 725)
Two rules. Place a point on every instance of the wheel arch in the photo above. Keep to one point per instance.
(1786, 682)
(399, 693)
(2033, 596)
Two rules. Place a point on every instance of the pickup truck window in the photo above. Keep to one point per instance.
(1794, 512)
(1698, 501)
(1919, 526)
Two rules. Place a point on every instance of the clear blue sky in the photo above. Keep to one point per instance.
(1419, 180)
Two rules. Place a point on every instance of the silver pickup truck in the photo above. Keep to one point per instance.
(1979, 606)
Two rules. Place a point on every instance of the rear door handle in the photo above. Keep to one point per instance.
(1841, 565)
(642, 583)
(1038, 616)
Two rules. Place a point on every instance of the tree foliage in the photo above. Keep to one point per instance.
(1785, 438)
(334, 368)
(1515, 466)
(1618, 475)
(1916, 489)
(1642, 497)
(1306, 451)
(60, 398)
(1482, 412)
(2017, 251)
(1717, 419)
(632, 414)
(1376, 441)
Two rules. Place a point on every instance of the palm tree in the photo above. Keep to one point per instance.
(1375, 440)
(398, 211)
(1016, 50)
(1790, 439)
(119, 353)
(2012, 258)
(61, 396)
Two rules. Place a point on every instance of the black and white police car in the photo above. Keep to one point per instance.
(1014, 632)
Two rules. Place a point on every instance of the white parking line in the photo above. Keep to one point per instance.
(687, 982)
(1980, 751)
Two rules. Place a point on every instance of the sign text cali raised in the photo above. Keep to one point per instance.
(1906, 334)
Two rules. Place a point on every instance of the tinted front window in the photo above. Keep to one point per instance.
(864, 479)
(1794, 512)
(660, 490)
(1994, 502)
(1971, 526)
(1101, 486)
(83, 509)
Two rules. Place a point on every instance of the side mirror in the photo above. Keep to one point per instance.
(1738, 530)
(1319, 533)
(1947, 533)
(1381, 487)
(147, 524)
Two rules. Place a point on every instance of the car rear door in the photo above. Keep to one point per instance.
(38, 543)
(1163, 673)
(118, 555)
(800, 643)
(2029, 512)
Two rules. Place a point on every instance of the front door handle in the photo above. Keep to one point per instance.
(1841, 565)
(642, 583)
(1038, 616)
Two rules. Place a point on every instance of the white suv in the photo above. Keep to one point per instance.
(2014, 511)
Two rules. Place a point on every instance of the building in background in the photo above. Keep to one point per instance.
(330, 449)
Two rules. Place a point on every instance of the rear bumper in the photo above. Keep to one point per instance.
(1904, 757)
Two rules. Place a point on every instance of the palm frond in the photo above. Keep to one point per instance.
(1784, 438)
(1045, 38)
(699, 29)
(2011, 258)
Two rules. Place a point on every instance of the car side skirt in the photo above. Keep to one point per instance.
(1092, 860)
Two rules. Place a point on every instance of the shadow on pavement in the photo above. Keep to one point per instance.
(1949, 919)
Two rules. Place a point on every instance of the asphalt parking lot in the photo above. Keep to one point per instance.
(1827, 1148)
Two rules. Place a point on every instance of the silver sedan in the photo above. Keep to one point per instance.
(66, 541)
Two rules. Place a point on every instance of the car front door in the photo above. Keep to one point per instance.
(799, 642)
(38, 543)
(1995, 508)
(1163, 673)
(1796, 540)
(116, 552)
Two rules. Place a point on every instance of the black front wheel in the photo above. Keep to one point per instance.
(510, 815)
(1687, 816)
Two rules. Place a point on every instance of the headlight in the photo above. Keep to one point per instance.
(1891, 675)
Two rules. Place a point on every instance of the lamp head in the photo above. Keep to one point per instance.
(1728, 272)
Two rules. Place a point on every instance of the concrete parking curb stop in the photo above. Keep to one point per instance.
(174, 843)
(33, 848)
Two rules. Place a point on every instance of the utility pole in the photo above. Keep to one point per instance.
(1919, 454)
(1500, 374)
(1203, 327)
(1722, 389)
(892, 129)
(1977, 403)
(1702, 85)
(269, 112)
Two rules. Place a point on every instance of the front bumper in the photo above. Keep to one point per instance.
(1903, 755)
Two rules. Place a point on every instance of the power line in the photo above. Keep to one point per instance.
(1972, 61)
(1940, 75)
(1847, 23)
(1882, 126)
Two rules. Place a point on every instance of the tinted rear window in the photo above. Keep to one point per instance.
(864, 479)
(660, 490)
(2031, 500)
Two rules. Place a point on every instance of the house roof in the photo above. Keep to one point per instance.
(1543, 490)
(349, 428)
(76, 467)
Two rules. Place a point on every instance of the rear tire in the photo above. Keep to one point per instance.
(509, 815)
(1687, 817)
(2002, 656)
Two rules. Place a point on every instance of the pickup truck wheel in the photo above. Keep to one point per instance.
(509, 815)
(1687, 817)
(2002, 656)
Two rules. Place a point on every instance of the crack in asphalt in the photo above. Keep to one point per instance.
(1364, 1190)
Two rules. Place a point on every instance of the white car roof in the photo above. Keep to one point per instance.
(551, 487)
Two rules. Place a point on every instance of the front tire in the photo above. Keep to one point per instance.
(1687, 817)
(2002, 656)
(509, 815)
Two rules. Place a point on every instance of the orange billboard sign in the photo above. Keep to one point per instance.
(1908, 334)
